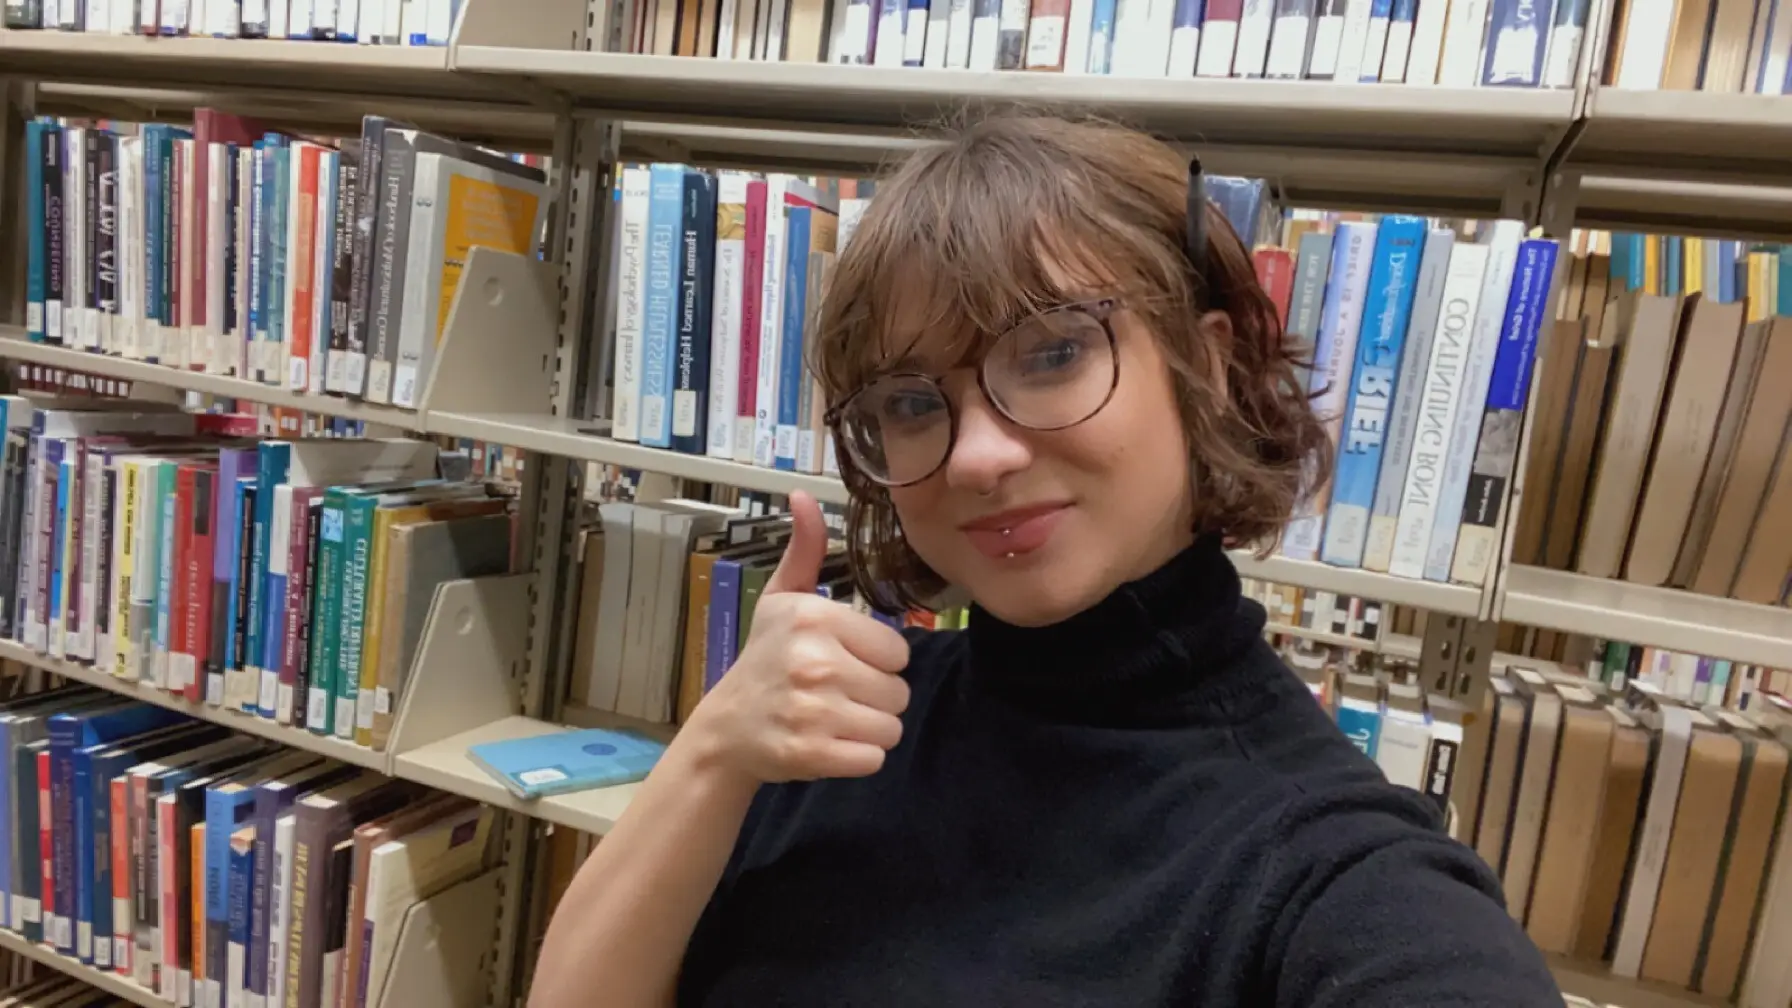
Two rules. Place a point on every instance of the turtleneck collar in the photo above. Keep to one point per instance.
(1143, 655)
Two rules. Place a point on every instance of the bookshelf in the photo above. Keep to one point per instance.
(517, 75)
(105, 980)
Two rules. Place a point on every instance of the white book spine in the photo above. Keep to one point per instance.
(1657, 829)
(888, 52)
(1461, 62)
(1427, 41)
(323, 232)
(1076, 39)
(438, 22)
(93, 495)
(986, 38)
(1403, 747)
(726, 305)
(914, 36)
(294, 368)
(1322, 61)
(1132, 25)
(1218, 42)
(1490, 316)
(771, 320)
(630, 303)
(1353, 42)
(1438, 409)
(422, 280)
(1253, 38)
(1399, 48)
(217, 210)
(1185, 50)
(279, 908)
(939, 29)
(1288, 46)
(958, 36)
(1374, 49)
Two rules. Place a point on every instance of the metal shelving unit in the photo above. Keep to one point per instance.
(104, 980)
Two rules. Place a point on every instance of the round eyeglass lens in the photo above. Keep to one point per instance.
(897, 429)
(1052, 371)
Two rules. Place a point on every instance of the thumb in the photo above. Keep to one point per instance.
(806, 551)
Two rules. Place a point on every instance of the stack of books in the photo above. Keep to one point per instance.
(286, 579)
(366, 22)
(316, 266)
(1660, 453)
(213, 868)
(1420, 42)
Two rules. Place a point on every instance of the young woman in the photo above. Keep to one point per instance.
(1051, 391)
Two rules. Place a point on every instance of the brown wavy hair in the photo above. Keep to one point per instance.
(1015, 213)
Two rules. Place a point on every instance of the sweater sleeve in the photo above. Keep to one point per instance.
(1378, 907)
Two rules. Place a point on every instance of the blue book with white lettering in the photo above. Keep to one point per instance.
(554, 764)
(665, 225)
(790, 343)
(36, 252)
(1399, 245)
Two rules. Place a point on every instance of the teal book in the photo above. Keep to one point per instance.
(568, 761)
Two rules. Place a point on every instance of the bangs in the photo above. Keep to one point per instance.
(956, 249)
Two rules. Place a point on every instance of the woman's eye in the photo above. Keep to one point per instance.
(1053, 356)
(907, 408)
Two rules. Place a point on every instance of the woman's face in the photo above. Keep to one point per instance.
(1040, 525)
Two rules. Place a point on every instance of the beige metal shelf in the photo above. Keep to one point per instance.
(104, 980)
(297, 738)
(1453, 599)
(14, 346)
(1739, 138)
(1685, 207)
(1641, 614)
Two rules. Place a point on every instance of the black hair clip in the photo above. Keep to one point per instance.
(1195, 239)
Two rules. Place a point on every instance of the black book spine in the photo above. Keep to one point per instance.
(106, 230)
(342, 256)
(367, 209)
(55, 236)
(245, 535)
(308, 602)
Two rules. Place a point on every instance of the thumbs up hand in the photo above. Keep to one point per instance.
(815, 692)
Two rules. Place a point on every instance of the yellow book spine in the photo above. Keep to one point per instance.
(1652, 264)
(383, 520)
(1695, 265)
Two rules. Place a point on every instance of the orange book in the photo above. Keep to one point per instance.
(302, 265)
(122, 941)
(198, 872)
(1275, 272)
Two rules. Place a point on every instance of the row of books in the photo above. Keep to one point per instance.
(1725, 46)
(55, 990)
(1634, 828)
(1660, 452)
(1422, 342)
(212, 868)
(232, 249)
(718, 279)
(1460, 44)
(367, 22)
(286, 579)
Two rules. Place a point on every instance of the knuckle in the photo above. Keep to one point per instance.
(810, 674)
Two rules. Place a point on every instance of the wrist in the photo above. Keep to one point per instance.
(698, 756)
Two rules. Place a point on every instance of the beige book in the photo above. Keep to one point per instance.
(805, 36)
(1586, 410)
(1559, 361)
(1471, 766)
(1683, 437)
(1570, 834)
(1751, 465)
(1727, 51)
(1690, 872)
(1646, 355)
(1500, 786)
(1762, 577)
(1737, 395)
(591, 580)
(1672, 727)
(1755, 812)
(1536, 770)
(1625, 778)
(1686, 45)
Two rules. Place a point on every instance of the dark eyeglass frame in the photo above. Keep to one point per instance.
(1100, 309)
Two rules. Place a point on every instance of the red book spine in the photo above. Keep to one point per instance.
(302, 265)
(46, 857)
(1275, 272)
(752, 280)
(180, 667)
(121, 878)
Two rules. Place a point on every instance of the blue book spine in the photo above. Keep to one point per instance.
(154, 136)
(257, 221)
(233, 464)
(37, 251)
(80, 910)
(665, 221)
(1361, 725)
(275, 457)
(96, 899)
(1674, 260)
(58, 928)
(724, 614)
(278, 265)
(696, 262)
(1518, 36)
(9, 825)
(225, 810)
(790, 343)
(1525, 311)
(1399, 246)
(1101, 36)
(271, 800)
(240, 875)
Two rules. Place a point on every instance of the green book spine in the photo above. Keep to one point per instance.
(326, 639)
(752, 585)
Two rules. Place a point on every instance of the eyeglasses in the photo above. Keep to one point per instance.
(1054, 370)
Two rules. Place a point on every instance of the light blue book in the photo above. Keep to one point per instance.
(790, 345)
(568, 761)
(665, 227)
(37, 245)
(1399, 245)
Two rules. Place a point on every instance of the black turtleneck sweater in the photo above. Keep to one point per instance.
(1139, 806)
